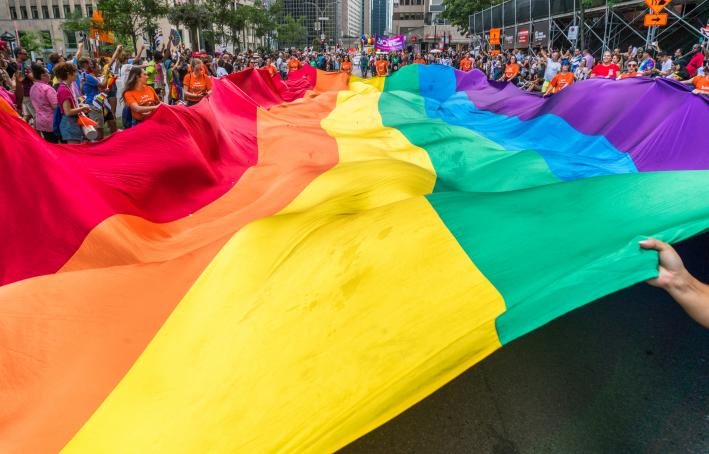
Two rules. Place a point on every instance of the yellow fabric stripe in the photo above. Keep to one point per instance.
(358, 84)
(311, 327)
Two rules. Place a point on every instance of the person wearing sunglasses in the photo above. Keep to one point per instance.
(632, 71)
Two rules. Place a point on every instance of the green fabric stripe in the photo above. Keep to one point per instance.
(551, 249)
(405, 79)
(463, 160)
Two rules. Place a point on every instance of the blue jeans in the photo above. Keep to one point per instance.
(127, 118)
(70, 129)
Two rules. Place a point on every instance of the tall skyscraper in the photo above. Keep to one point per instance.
(380, 16)
(352, 15)
(367, 17)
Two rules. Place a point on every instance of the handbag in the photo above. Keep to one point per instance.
(87, 126)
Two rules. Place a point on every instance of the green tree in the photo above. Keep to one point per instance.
(192, 16)
(33, 41)
(133, 18)
(457, 12)
(77, 23)
(291, 32)
(235, 23)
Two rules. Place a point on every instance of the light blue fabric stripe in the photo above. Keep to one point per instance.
(569, 153)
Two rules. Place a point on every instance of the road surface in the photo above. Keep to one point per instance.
(625, 374)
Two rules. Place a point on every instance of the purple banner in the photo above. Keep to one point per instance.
(390, 44)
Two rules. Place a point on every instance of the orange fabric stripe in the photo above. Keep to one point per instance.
(110, 299)
(326, 81)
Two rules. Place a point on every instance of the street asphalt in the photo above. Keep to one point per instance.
(625, 374)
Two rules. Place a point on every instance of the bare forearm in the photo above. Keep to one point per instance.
(693, 296)
(142, 109)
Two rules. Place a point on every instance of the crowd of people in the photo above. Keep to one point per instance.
(67, 96)
(78, 97)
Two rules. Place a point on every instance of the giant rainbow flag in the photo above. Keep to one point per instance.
(288, 265)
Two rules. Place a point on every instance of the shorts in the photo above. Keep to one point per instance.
(113, 91)
(70, 129)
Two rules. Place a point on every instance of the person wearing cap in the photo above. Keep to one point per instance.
(562, 79)
(700, 82)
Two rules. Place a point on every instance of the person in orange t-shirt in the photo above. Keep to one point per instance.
(511, 71)
(420, 60)
(562, 80)
(346, 65)
(293, 64)
(632, 71)
(701, 83)
(139, 96)
(466, 63)
(270, 67)
(382, 66)
(196, 84)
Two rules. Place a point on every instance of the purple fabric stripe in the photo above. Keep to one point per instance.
(659, 122)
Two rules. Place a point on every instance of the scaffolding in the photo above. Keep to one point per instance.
(606, 24)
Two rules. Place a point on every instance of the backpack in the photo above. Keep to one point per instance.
(56, 121)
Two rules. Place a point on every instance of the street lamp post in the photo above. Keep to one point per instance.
(322, 18)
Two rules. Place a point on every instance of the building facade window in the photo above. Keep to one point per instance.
(35, 12)
(70, 39)
(45, 11)
(89, 10)
(46, 39)
(67, 11)
(23, 12)
(13, 13)
(55, 11)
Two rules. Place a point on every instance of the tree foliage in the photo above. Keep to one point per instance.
(217, 21)
(457, 12)
(33, 41)
(292, 32)
(77, 23)
(133, 18)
